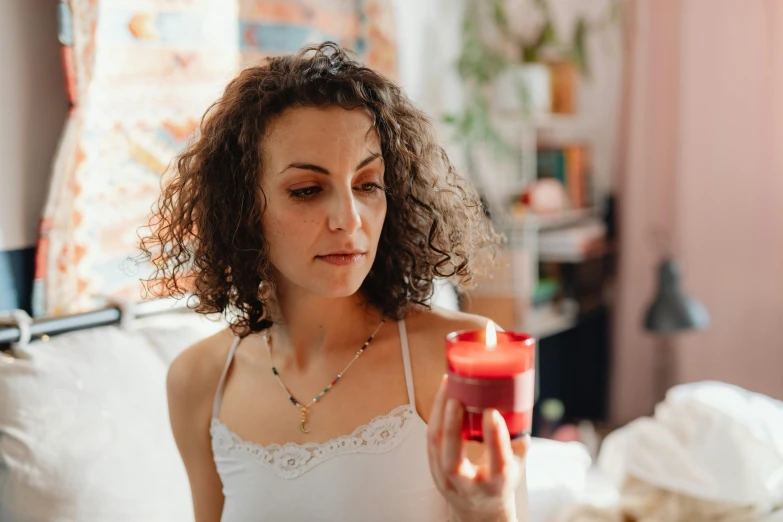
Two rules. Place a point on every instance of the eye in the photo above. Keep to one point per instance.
(304, 193)
(370, 187)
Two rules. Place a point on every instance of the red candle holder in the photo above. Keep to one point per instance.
(500, 377)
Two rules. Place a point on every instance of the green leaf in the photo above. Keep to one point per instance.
(542, 5)
(467, 123)
(499, 14)
(549, 34)
(530, 53)
(450, 119)
(579, 52)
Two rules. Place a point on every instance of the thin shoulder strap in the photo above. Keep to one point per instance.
(406, 361)
(222, 382)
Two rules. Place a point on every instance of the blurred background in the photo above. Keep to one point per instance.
(630, 150)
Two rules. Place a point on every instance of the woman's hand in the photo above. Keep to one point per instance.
(474, 493)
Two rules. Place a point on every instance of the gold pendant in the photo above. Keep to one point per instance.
(304, 420)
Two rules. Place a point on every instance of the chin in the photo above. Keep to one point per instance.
(332, 286)
(326, 281)
(338, 289)
(337, 282)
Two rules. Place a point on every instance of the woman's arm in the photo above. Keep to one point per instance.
(428, 356)
(190, 410)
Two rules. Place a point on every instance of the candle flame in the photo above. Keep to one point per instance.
(491, 337)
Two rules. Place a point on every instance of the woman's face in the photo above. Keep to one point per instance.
(323, 180)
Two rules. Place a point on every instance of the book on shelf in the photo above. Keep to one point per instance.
(570, 165)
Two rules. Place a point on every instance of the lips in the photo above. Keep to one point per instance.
(344, 258)
(344, 253)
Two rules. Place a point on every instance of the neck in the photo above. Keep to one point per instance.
(309, 328)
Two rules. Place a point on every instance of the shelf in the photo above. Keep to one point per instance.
(563, 219)
(566, 258)
(557, 121)
(541, 121)
(551, 320)
(578, 257)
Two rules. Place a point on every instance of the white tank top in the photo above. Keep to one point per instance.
(377, 473)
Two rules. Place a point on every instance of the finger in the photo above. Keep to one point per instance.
(520, 446)
(451, 444)
(498, 442)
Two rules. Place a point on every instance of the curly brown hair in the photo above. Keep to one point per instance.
(205, 233)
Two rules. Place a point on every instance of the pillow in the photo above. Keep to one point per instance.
(556, 476)
(170, 333)
(84, 429)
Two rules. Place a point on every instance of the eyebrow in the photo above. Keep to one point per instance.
(316, 168)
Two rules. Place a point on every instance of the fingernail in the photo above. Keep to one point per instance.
(497, 418)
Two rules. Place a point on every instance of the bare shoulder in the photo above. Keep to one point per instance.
(193, 375)
(436, 323)
(191, 384)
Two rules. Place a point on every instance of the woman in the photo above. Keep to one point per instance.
(315, 209)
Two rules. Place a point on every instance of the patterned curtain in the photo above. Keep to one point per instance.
(140, 73)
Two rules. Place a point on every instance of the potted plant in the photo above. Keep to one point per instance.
(531, 74)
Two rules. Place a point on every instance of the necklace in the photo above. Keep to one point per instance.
(303, 418)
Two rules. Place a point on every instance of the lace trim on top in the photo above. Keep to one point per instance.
(291, 460)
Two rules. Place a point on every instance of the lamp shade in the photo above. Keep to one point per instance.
(672, 311)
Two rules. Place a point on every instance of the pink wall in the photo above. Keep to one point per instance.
(731, 189)
(703, 161)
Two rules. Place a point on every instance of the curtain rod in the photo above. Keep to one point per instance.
(82, 321)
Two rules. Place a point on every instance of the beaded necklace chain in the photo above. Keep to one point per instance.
(303, 418)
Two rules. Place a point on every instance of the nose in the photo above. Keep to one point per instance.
(344, 214)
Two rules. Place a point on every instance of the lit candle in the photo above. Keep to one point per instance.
(491, 369)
